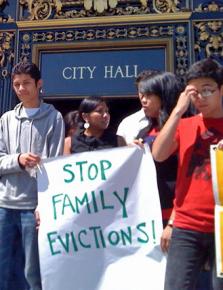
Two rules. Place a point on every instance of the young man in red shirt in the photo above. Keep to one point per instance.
(192, 239)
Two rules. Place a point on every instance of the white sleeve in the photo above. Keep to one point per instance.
(126, 130)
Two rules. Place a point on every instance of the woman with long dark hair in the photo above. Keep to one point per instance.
(158, 96)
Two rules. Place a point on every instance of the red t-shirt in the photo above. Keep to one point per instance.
(194, 199)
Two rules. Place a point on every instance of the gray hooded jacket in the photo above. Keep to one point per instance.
(43, 134)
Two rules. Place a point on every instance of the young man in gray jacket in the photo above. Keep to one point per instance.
(32, 131)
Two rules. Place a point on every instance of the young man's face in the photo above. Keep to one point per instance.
(26, 89)
(207, 97)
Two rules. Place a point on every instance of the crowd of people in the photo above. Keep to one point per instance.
(179, 140)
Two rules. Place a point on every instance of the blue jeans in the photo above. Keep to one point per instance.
(17, 278)
(187, 254)
(12, 223)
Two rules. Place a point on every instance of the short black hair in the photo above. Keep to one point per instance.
(206, 68)
(28, 68)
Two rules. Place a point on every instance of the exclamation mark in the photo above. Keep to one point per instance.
(153, 231)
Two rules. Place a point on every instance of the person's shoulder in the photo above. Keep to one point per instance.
(46, 106)
(7, 115)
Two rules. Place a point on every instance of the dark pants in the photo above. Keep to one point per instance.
(17, 279)
(187, 254)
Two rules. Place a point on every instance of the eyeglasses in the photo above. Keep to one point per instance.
(207, 92)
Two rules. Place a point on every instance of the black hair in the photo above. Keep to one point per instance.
(167, 87)
(27, 68)
(206, 68)
(70, 121)
(88, 105)
(145, 74)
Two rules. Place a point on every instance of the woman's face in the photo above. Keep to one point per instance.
(151, 104)
(99, 118)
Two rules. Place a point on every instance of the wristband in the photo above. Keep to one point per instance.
(170, 223)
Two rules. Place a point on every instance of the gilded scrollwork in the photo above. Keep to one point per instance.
(6, 51)
(41, 9)
(3, 16)
(100, 5)
(63, 9)
(165, 6)
(101, 34)
(210, 6)
(209, 39)
(93, 8)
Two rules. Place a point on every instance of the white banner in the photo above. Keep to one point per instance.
(100, 222)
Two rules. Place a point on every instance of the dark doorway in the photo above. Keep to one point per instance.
(119, 107)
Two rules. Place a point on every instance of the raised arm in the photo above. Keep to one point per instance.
(165, 143)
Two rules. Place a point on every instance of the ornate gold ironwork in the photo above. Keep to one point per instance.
(209, 38)
(4, 17)
(165, 6)
(41, 9)
(100, 34)
(176, 33)
(63, 9)
(210, 7)
(6, 51)
(100, 5)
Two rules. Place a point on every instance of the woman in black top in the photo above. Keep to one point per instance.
(93, 133)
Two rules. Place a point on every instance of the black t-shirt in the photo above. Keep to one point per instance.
(82, 143)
